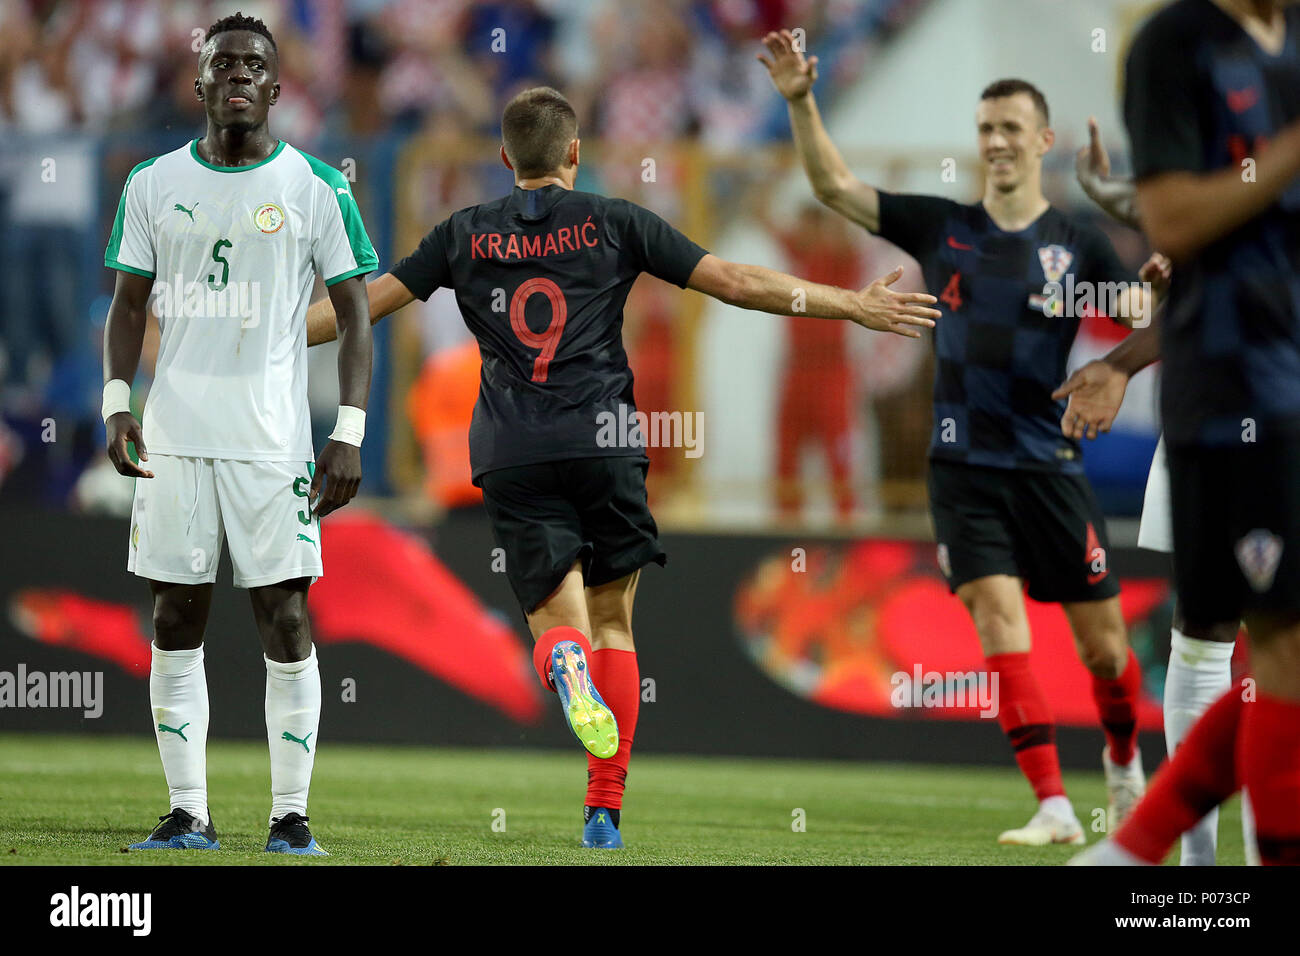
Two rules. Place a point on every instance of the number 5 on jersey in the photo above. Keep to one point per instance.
(549, 340)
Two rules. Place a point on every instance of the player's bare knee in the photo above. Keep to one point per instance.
(1225, 632)
(617, 636)
(998, 626)
(1104, 651)
(288, 632)
(178, 620)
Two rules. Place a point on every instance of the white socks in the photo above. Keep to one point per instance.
(1200, 672)
(292, 716)
(178, 694)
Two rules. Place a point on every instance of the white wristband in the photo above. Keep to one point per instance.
(117, 398)
(351, 425)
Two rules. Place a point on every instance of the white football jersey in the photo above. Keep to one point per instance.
(232, 252)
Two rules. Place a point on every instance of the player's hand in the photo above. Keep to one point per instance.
(337, 478)
(1092, 162)
(122, 428)
(792, 75)
(1157, 270)
(899, 312)
(1096, 392)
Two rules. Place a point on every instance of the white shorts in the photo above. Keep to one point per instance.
(181, 515)
(1156, 530)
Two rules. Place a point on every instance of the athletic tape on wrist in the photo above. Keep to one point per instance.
(351, 425)
(117, 398)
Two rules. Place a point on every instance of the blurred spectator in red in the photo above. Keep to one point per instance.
(817, 388)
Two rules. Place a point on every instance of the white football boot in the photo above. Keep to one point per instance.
(1045, 828)
(1125, 785)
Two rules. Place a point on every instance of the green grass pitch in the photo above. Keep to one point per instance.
(81, 800)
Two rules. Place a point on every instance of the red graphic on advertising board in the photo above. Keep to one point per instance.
(387, 588)
(860, 626)
(384, 587)
(101, 629)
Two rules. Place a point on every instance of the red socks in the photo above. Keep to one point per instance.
(546, 643)
(1117, 702)
(617, 677)
(1268, 761)
(1027, 722)
(1198, 777)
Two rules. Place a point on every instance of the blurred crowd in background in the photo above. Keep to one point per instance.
(409, 93)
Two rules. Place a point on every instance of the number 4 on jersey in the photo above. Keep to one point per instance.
(549, 340)
(951, 295)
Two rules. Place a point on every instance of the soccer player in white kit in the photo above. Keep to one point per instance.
(228, 233)
(1200, 662)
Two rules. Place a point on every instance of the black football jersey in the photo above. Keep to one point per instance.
(541, 277)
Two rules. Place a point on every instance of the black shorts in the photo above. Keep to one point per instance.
(547, 516)
(1044, 528)
(1236, 517)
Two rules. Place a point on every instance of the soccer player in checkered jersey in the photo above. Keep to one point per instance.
(541, 276)
(1200, 658)
(234, 228)
(1212, 105)
(1010, 503)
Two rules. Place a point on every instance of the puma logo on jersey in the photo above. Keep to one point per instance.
(1095, 556)
(303, 537)
(189, 212)
(345, 191)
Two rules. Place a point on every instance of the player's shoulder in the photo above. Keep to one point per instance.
(321, 172)
(155, 166)
(925, 199)
(1182, 24)
(927, 206)
(1059, 221)
(1073, 230)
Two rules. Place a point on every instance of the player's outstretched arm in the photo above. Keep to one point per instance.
(765, 290)
(1184, 212)
(832, 181)
(386, 295)
(338, 467)
(1096, 390)
(1117, 196)
(123, 337)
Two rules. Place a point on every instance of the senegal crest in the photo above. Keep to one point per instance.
(269, 217)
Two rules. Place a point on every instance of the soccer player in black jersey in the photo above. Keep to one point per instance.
(1010, 503)
(1212, 105)
(540, 277)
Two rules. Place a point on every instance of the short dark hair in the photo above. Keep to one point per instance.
(1010, 87)
(237, 21)
(536, 128)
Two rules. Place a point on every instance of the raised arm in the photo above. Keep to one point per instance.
(386, 295)
(832, 181)
(1115, 195)
(765, 290)
(123, 337)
